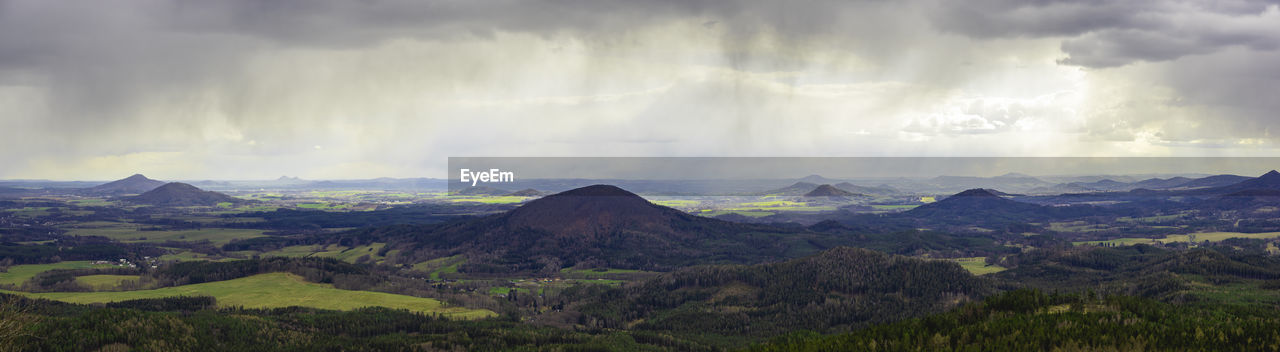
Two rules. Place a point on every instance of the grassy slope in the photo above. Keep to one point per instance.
(351, 254)
(104, 282)
(274, 290)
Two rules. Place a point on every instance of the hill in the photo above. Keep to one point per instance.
(836, 290)
(877, 190)
(981, 206)
(1015, 182)
(799, 188)
(180, 194)
(135, 184)
(971, 201)
(595, 226)
(816, 179)
(830, 191)
(1214, 181)
(1160, 183)
(1270, 180)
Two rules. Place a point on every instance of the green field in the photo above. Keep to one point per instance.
(351, 254)
(294, 251)
(445, 265)
(128, 232)
(1199, 237)
(104, 282)
(751, 213)
(1219, 236)
(324, 206)
(274, 290)
(20, 273)
(488, 199)
(978, 265)
(187, 256)
(97, 202)
(677, 203)
(596, 273)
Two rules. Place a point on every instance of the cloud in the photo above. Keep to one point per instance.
(222, 87)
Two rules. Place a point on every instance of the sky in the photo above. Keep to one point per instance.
(329, 89)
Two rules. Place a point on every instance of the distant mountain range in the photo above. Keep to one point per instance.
(1108, 185)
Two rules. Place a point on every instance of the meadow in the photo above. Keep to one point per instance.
(978, 265)
(104, 282)
(130, 232)
(274, 290)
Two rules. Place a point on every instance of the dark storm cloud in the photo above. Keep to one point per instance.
(1099, 33)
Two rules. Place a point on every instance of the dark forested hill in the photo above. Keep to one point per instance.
(830, 191)
(599, 226)
(835, 290)
(983, 207)
(181, 194)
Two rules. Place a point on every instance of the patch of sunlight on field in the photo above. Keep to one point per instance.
(438, 266)
(978, 265)
(275, 290)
